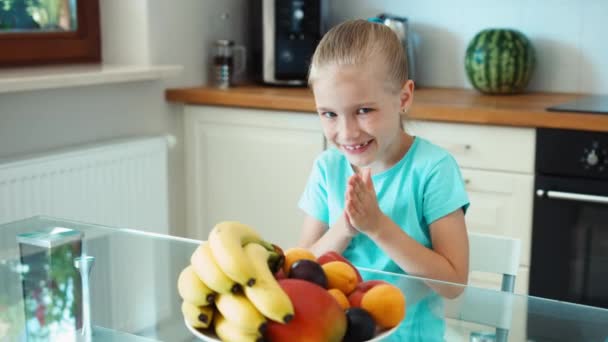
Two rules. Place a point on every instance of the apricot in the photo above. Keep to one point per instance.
(340, 298)
(341, 276)
(294, 254)
(334, 256)
(386, 304)
(354, 297)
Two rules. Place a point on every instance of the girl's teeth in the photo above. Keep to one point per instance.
(356, 146)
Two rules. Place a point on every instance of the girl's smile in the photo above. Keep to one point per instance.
(358, 148)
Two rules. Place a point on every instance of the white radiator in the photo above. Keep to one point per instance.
(120, 184)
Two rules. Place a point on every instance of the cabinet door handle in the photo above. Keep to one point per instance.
(571, 196)
(458, 148)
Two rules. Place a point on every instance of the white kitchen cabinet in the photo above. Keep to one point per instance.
(482, 147)
(501, 204)
(497, 164)
(251, 166)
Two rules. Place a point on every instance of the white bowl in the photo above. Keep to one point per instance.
(210, 336)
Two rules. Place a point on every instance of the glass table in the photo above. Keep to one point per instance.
(132, 295)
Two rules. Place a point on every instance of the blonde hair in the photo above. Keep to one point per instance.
(355, 42)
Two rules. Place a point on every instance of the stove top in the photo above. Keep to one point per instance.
(592, 104)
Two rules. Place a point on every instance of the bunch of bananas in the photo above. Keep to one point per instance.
(230, 285)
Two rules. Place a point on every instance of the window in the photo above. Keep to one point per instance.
(35, 32)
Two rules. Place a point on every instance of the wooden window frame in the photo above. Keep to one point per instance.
(80, 46)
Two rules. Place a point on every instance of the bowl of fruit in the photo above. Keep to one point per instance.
(239, 287)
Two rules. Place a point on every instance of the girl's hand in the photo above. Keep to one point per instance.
(361, 203)
(348, 227)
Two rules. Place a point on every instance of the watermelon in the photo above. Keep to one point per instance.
(500, 61)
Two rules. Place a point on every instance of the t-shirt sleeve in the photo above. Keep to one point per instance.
(444, 191)
(313, 200)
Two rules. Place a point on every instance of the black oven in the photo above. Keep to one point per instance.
(570, 225)
(569, 259)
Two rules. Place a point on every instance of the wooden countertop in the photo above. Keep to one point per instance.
(435, 104)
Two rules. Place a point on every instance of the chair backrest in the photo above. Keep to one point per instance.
(490, 254)
(495, 254)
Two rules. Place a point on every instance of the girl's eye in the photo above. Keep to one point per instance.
(364, 110)
(329, 114)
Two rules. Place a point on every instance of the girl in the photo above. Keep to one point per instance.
(385, 199)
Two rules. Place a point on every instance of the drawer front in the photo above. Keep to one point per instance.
(481, 146)
(501, 204)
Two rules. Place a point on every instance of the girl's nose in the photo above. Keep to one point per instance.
(349, 129)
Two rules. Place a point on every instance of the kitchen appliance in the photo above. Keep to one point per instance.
(569, 260)
(225, 67)
(592, 104)
(284, 35)
(400, 26)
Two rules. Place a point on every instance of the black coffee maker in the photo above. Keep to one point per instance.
(284, 35)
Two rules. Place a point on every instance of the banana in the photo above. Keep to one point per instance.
(209, 272)
(226, 240)
(238, 309)
(267, 295)
(197, 316)
(192, 289)
(227, 331)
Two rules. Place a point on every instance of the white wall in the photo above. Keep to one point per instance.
(568, 35)
(133, 32)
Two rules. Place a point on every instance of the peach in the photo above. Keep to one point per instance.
(386, 304)
(317, 315)
(294, 254)
(341, 276)
(340, 297)
(335, 256)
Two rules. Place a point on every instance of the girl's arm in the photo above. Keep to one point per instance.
(447, 261)
(319, 239)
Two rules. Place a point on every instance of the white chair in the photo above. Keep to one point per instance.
(495, 254)
(489, 254)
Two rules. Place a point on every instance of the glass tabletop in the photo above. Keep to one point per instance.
(133, 295)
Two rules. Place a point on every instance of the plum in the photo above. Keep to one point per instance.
(308, 270)
(360, 325)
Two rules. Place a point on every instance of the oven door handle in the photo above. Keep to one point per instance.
(572, 196)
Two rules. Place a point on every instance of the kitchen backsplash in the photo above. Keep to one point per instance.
(568, 36)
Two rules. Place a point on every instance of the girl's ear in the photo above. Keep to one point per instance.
(406, 95)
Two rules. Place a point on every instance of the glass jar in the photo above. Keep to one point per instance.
(224, 66)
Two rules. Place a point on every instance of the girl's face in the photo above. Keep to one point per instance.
(361, 116)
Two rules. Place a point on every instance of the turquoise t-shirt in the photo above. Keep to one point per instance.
(425, 185)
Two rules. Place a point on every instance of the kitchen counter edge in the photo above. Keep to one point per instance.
(434, 104)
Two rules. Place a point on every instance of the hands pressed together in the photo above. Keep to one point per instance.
(361, 209)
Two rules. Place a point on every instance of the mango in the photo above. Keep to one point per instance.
(318, 316)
